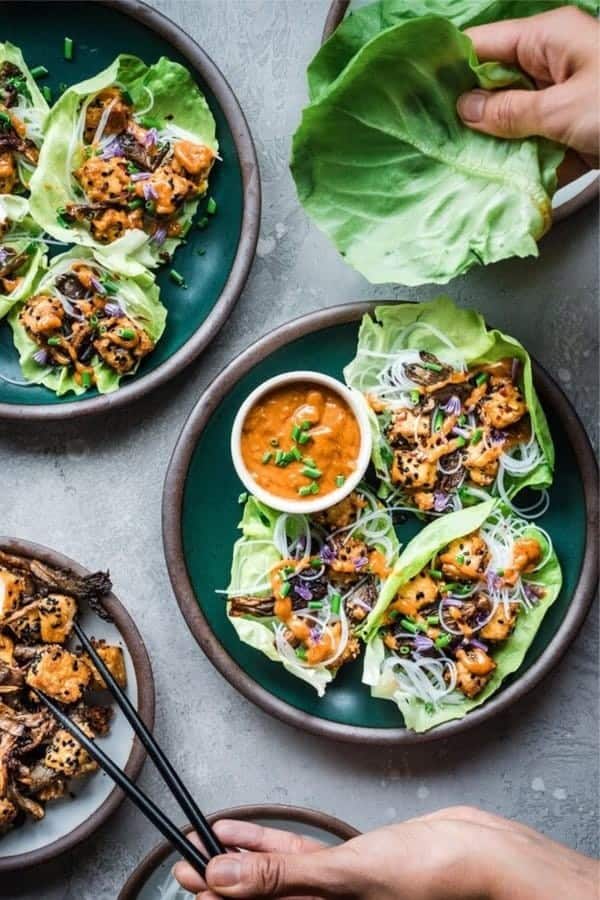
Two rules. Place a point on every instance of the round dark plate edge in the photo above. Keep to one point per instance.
(335, 15)
(145, 705)
(550, 393)
(269, 811)
(201, 63)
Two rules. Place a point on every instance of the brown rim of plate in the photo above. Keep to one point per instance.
(268, 811)
(551, 396)
(203, 65)
(335, 15)
(145, 705)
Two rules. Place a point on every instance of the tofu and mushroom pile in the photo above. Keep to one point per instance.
(450, 618)
(325, 585)
(134, 175)
(15, 144)
(78, 318)
(38, 758)
(449, 432)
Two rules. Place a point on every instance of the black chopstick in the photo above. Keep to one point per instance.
(190, 853)
(171, 778)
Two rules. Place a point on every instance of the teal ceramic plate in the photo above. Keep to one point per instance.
(201, 513)
(100, 31)
(152, 880)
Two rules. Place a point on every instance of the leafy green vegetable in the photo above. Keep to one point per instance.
(31, 109)
(138, 295)
(365, 23)
(510, 655)
(172, 92)
(23, 237)
(254, 555)
(405, 190)
(466, 329)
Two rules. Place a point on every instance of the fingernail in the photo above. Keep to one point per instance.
(471, 106)
(225, 872)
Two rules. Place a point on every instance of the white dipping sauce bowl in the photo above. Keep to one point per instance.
(313, 503)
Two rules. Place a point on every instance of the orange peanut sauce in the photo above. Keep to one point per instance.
(316, 424)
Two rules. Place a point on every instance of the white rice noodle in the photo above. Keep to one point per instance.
(99, 133)
(287, 651)
(423, 678)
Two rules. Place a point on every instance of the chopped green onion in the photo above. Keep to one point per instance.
(285, 588)
(111, 287)
(54, 341)
(5, 119)
(301, 652)
(442, 641)
(135, 204)
(482, 378)
(462, 419)
(415, 396)
(242, 497)
(500, 572)
(47, 94)
(315, 604)
(68, 48)
(200, 252)
(308, 461)
(296, 432)
(435, 573)
(86, 379)
(312, 488)
(394, 613)
(266, 457)
(404, 650)
(433, 367)
(177, 277)
(410, 626)
(296, 454)
(460, 559)
(433, 620)
(127, 334)
(461, 441)
(132, 169)
(438, 420)
(340, 480)
(279, 458)
(211, 206)
(93, 321)
(150, 206)
(202, 223)
(305, 424)
(311, 472)
(476, 436)
(335, 603)
(316, 563)
(304, 438)
(39, 72)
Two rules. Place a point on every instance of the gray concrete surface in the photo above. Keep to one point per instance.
(93, 490)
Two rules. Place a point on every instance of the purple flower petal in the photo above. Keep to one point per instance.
(452, 406)
(361, 562)
(41, 357)
(140, 176)
(151, 138)
(113, 148)
(452, 601)
(149, 191)
(327, 554)
(302, 591)
(440, 501)
(479, 644)
(113, 309)
(159, 236)
(422, 643)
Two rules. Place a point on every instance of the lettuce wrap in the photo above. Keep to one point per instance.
(308, 549)
(400, 678)
(366, 22)
(22, 251)
(24, 103)
(136, 299)
(386, 168)
(166, 107)
(391, 346)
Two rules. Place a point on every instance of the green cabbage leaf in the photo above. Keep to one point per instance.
(23, 236)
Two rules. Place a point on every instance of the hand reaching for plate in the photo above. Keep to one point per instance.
(454, 854)
(559, 50)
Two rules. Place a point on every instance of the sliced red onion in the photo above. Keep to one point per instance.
(151, 138)
(361, 562)
(41, 357)
(497, 436)
(4, 255)
(479, 644)
(452, 406)
(452, 601)
(141, 176)
(113, 309)
(70, 309)
(112, 149)
(302, 591)
(422, 643)
(98, 286)
(440, 501)
(316, 634)
(327, 554)
(159, 236)
(149, 191)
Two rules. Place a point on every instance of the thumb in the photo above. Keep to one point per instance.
(507, 114)
(323, 873)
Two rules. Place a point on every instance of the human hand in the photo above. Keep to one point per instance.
(560, 51)
(454, 854)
